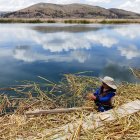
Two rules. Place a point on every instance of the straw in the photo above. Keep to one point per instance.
(69, 92)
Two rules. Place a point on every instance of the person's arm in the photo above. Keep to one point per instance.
(90, 96)
(93, 96)
(96, 92)
(106, 98)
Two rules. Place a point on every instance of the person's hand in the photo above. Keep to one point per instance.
(90, 96)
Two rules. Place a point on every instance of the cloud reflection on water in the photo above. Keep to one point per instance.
(25, 53)
(29, 51)
(65, 42)
(65, 45)
(129, 32)
(129, 52)
(74, 43)
(58, 43)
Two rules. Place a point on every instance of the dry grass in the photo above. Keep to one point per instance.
(136, 72)
(126, 128)
(69, 21)
(70, 92)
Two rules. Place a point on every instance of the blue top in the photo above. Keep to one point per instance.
(103, 99)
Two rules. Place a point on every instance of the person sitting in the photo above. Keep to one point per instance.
(103, 96)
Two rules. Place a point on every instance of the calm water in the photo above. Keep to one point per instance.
(31, 50)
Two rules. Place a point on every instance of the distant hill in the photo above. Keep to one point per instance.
(47, 10)
(3, 13)
(125, 14)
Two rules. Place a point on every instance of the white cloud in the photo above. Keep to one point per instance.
(58, 42)
(67, 41)
(131, 5)
(9, 5)
(103, 39)
(131, 31)
(26, 54)
(129, 52)
(13, 5)
(61, 42)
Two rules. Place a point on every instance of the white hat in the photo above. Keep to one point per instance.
(109, 81)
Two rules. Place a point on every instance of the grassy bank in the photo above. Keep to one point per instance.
(70, 21)
(69, 92)
(26, 21)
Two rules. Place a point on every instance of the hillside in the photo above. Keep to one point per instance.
(3, 13)
(46, 10)
(125, 14)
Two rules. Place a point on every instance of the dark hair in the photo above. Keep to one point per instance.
(109, 90)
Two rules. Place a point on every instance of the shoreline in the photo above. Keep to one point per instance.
(70, 21)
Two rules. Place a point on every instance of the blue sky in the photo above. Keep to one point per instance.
(130, 5)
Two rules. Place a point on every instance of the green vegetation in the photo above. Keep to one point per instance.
(51, 21)
(78, 21)
(69, 21)
(123, 21)
(26, 21)
(20, 21)
(69, 92)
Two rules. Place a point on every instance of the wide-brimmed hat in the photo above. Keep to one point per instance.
(109, 81)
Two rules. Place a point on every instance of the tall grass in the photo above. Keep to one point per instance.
(117, 21)
(70, 21)
(26, 21)
(19, 21)
(78, 21)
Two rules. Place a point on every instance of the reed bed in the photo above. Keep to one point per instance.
(23, 20)
(69, 92)
(126, 128)
(69, 21)
(136, 72)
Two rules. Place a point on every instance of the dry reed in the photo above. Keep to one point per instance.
(70, 92)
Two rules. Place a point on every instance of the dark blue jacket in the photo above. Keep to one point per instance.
(103, 99)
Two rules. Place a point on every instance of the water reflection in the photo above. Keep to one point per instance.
(25, 53)
(57, 42)
(69, 28)
(42, 48)
(120, 73)
(129, 52)
(127, 32)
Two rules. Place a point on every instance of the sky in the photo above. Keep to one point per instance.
(130, 5)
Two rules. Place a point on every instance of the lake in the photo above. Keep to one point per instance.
(51, 50)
